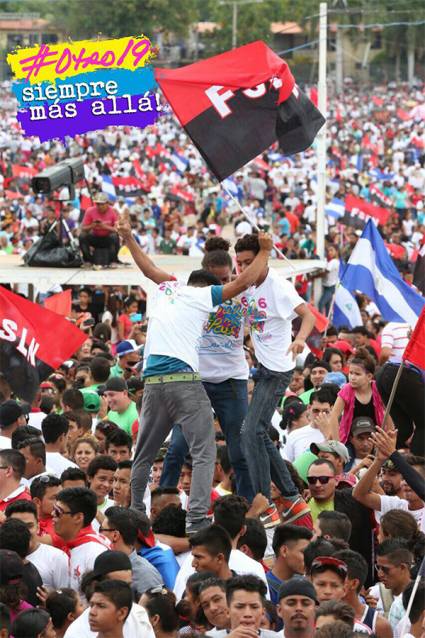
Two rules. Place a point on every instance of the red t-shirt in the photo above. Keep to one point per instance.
(93, 214)
(21, 493)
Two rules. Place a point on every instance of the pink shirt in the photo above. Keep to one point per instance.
(92, 214)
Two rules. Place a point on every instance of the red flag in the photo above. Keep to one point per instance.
(60, 303)
(25, 172)
(378, 101)
(237, 104)
(415, 350)
(33, 343)
(403, 115)
(321, 320)
(360, 206)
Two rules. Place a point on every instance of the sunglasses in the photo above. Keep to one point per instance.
(155, 591)
(58, 512)
(323, 480)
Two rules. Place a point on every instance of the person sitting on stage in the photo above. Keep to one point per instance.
(99, 230)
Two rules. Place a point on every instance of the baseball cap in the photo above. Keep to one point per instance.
(116, 384)
(134, 384)
(110, 561)
(344, 346)
(12, 567)
(335, 377)
(10, 411)
(91, 401)
(334, 447)
(127, 346)
(323, 563)
(100, 198)
(362, 424)
(298, 586)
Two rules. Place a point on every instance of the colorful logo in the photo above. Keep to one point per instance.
(68, 89)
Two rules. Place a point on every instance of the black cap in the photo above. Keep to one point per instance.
(10, 411)
(110, 561)
(361, 425)
(134, 384)
(116, 384)
(298, 586)
(12, 567)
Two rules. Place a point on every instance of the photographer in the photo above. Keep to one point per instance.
(99, 230)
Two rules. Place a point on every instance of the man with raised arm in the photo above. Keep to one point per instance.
(173, 389)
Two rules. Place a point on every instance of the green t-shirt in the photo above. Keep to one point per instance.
(316, 508)
(116, 371)
(305, 396)
(126, 419)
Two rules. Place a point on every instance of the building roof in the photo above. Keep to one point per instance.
(206, 27)
(287, 28)
(28, 24)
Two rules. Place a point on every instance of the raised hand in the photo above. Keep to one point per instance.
(124, 227)
(266, 242)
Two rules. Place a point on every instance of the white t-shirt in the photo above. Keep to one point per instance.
(270, 315)
(396, 503)
(5, 443)
(57, 463)
(221, 354)
(82, 560)
(52, 565)
(176, 316)
(36, 418)
(299, 441)
(395, 336)
(238, 562)
(331, 278)
(137, 625)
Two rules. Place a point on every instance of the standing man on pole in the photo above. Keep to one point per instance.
(173, 388)
(274, 304)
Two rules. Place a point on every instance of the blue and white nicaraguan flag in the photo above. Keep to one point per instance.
(371, 270)
(335, 208)
(108, 187)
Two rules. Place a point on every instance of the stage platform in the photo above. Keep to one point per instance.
(13, 271)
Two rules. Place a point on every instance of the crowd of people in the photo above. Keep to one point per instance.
(198, 469)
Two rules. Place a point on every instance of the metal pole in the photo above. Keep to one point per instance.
(235, 25)
(392, 395)
(321, 144)
(339, 62)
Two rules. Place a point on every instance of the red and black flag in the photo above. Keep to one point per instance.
(33, 343)
(237, 104)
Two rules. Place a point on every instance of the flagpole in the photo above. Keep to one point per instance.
(392, 394)
(247, 217)
(321, 143)
(412, 596)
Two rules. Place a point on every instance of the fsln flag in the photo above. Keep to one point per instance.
(415, 349)
(60, 303)
(108, 187)
(335, 208)
(33, 343)
(237, 104)
(371, 270)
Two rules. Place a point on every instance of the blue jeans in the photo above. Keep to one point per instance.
(326, 299)
(229, 400)
(265, 463)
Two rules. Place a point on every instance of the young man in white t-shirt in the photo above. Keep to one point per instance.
(73, 513)
(51, 562)
(173, 389)
(224, 373)
(274, 304)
